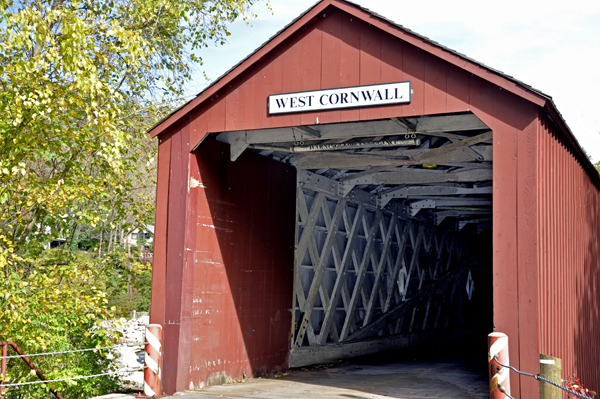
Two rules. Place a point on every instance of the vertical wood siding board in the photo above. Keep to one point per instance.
(291, 77)
(217, 113)
(340, 282)
(264, 82)
(311, 67)
(159, 261)
(500, 117)
(251, 106)
(319, 270)
(391, 70)
(187, 290)
(370, 65)
(287, 83)
(413, 68)
(379, 270)
(350, 61)
(457, 98)
(232, 108)
(275, 86)
(198, 126)
(435, 85)
(175, 246)
(542, 308)
(332, 59)
(527, 160)
(360, 274)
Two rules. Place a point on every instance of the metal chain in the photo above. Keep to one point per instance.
(539, 377)
(16, 384)
(74, 351)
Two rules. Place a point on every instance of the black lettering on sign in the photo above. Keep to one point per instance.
(354, 95)
(301, 102)
(280, 102)
(292, 105)
(344, 98)
(367, 94)
(331, 99)
(378, 95)
(321, 100)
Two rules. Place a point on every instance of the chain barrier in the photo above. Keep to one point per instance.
(539, 378)
(17, 384)
(75, 350)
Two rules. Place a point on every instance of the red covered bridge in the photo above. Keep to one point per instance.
(353, 187)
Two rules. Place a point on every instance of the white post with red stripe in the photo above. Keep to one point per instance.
(498, 345)
(153, 360)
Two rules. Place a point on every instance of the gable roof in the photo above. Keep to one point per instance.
(481, 70)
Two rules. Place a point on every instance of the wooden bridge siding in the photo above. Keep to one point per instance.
(243, 273)
(569, 256)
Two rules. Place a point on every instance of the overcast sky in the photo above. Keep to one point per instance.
(551, 45)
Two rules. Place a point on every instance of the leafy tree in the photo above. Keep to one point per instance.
(80, 83)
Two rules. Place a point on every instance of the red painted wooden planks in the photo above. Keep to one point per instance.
(310, 71)
(505, 282)
(244, 261)
(457, 86)
(350, 71)
(370, 65)
(435, 85)
(391, 70)
(159, 260)
(291, 55)
(331, 66)
(569, 320)
(414, 70)
(527, 256)
(175, 252)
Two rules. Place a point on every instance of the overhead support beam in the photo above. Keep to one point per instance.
(407, 192)
(440, 216)
(426, 125)
(236, 141)
(463, 223)
(339, 146)
(416, 206)
(307, 130)
(462, 151)
(424, 176)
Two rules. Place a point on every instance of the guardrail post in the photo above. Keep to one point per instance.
(3, 367)
(153, 360)
(499, 376)
(550, 368)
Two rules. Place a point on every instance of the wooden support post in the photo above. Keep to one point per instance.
(550, 368)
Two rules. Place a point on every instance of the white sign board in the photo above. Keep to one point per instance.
(346, 97)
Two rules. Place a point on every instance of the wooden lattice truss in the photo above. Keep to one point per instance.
(363, 272)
